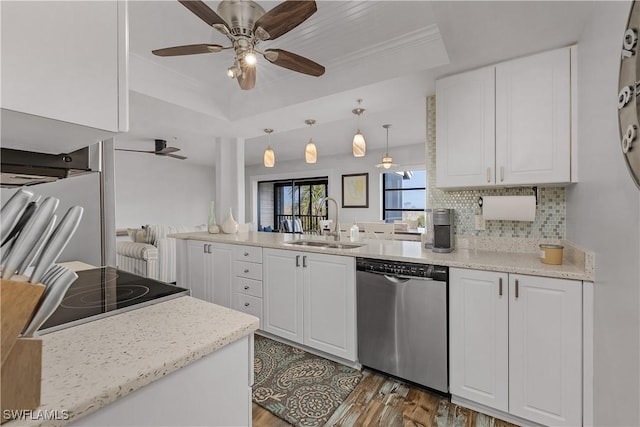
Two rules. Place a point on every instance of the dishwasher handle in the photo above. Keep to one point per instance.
(397, 278)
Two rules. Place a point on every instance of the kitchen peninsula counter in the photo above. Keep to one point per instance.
(89, 366)
(506, 255)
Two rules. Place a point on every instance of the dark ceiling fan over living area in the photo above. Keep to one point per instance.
(161, 150)
(246, 24)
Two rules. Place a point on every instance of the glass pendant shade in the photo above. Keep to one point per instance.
(310, 152)
(269, 158)
(387, 163)
(359, 145)
(387, 160)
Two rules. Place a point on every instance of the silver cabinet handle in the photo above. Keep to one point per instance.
(246, 270)
(500, 286)
(304, 261)
(517, 289)
(204, 249)
(246, 287)
(246, 254)
(297, 260)
(246, 304)
(501, 173)
(488, 174)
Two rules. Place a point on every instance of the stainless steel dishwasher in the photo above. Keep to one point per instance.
(402, 320)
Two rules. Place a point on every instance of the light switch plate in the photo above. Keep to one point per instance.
(479, 223)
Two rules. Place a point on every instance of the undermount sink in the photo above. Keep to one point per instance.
(318, 244)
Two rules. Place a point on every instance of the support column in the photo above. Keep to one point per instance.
(230, 178)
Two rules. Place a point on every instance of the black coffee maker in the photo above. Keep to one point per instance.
(442, 230)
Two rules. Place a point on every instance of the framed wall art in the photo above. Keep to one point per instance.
(355, 190)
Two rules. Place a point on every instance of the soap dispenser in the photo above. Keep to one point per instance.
(354, 232)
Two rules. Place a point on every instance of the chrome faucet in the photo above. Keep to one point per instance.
(336, 228)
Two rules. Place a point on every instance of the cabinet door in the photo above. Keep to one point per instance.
(533, 119)
(197, 269)
(465, 129)
(545, 347)
(282, 293)
(66, 61)
(478, 336)
(222, 257)
(329, 304)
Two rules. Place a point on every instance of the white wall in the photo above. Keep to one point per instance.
(334, 167)
(161, 190)
(603, 214)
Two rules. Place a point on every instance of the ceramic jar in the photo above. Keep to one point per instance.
(230, 225)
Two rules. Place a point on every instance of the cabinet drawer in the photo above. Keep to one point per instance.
(248, 286)
(248, 304)
(250, 270)
(249, 253)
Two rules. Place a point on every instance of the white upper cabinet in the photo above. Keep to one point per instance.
(66, 61)
(533, 119)
(465, 129)
(508, 124)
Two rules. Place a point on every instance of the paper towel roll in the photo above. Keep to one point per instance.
(511, 208)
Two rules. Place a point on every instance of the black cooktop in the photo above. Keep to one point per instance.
(106, 291)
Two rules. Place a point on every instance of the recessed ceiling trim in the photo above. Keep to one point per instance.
(430, 34)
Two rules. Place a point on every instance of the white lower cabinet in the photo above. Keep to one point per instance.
(516, 344)
(208, 271)
(309, 298)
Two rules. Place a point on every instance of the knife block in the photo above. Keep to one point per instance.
(21, 368)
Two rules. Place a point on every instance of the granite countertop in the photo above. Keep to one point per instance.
(88, 366)
(505, 255)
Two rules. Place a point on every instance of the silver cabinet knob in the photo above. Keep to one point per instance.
(246, 270)
(246, 304)
(246, 254)
(246, 287)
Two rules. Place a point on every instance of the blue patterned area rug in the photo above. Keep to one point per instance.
(297, 386)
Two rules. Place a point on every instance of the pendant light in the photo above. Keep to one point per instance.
(387, 161)
(359, 146)
(269, 155)
(310, 152)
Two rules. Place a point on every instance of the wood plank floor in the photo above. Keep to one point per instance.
(386, 402)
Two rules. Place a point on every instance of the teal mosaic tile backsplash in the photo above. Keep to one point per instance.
(550, 219)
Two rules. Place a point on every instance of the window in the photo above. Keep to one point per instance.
(404, 195)
(291, 199)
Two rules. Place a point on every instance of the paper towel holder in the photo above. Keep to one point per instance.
(535, 193)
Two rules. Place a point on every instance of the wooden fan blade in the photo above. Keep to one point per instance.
(191, 49)
(176, 156)
(167, 150)
(204, 12)
(294, 62)
(247, 80)
(283, 18)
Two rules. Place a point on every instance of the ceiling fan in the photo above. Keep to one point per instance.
(246, 24)
(161, 150)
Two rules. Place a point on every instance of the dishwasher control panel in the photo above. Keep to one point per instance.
(397, 268)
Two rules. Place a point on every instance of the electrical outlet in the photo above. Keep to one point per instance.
(480, 225)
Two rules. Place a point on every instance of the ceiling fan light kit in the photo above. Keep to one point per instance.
(245, 23)
(269, 158)
(387, 160)
(359, 145)
(310, 151)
